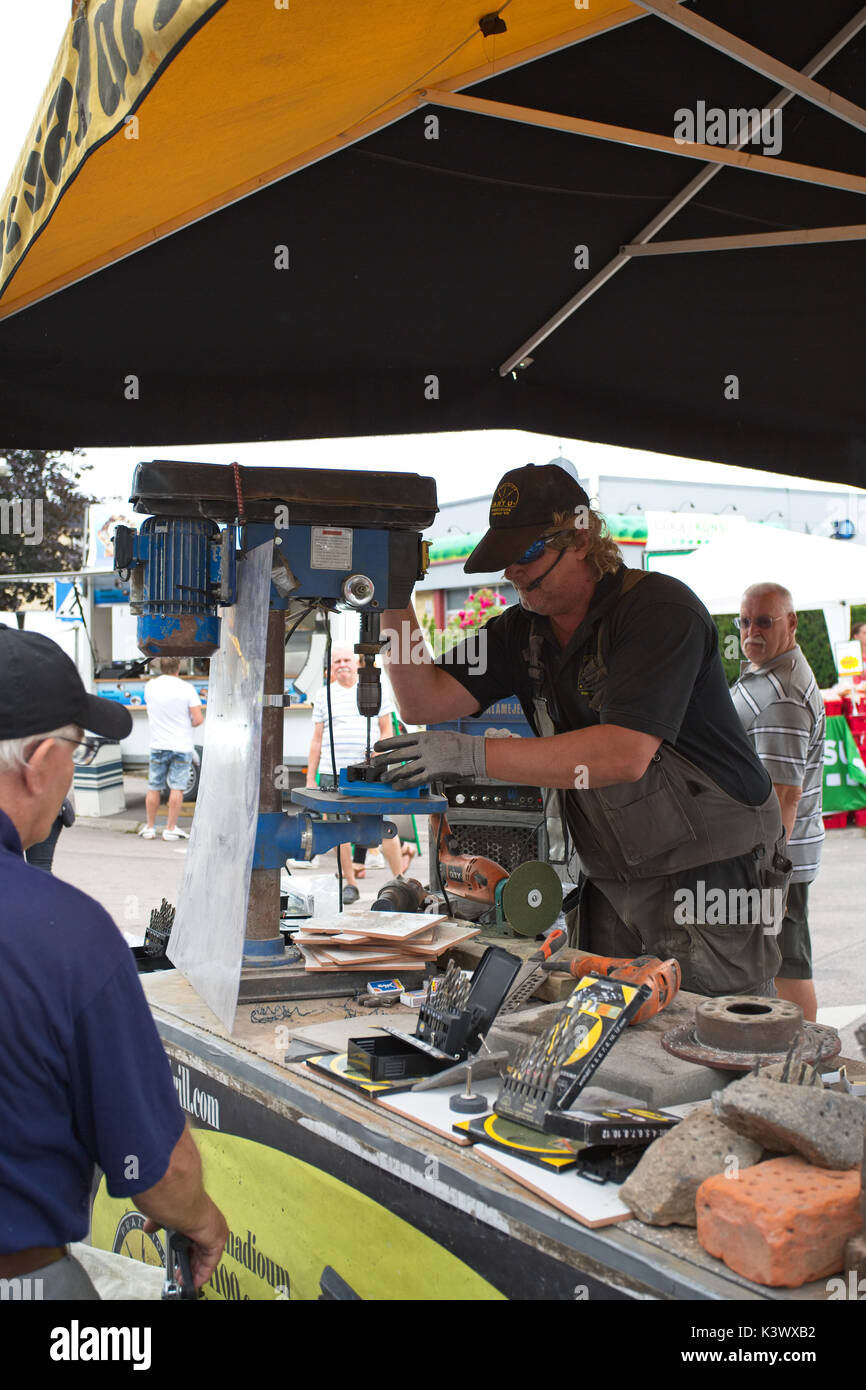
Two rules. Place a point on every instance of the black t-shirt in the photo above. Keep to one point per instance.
(665, 676)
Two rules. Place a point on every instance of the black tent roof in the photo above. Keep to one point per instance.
(413, 258)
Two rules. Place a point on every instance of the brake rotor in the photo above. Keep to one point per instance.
(532, 898)
(738, 1032)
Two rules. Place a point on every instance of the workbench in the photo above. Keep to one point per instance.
(324, 1190)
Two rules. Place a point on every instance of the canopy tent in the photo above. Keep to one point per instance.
(819, 573)
(486, 226)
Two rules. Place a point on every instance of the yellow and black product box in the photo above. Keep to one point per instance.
(629, 1126)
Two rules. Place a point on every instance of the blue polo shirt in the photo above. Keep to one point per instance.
(84, 1079)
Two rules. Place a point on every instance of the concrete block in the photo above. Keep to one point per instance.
(638, 1065)
(826, 1128)
(661, 1191)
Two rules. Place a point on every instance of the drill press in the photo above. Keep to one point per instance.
(224, 552)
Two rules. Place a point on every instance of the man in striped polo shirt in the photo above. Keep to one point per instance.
(780, 705)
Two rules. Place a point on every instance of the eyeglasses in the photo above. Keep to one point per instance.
(537, 548)
(763, 622)
(86, 748)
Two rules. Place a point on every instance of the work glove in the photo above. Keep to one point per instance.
(428, 756)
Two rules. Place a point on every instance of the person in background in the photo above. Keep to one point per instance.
(350, 746)
(858, 634)
(781, 709)
(173, 711)
(85, 1081)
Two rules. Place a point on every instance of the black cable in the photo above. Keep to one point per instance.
(442, 887)
(296, 624)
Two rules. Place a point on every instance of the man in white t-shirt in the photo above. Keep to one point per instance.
(174, 710)
(350, 746)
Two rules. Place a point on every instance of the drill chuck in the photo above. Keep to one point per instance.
(369, 691)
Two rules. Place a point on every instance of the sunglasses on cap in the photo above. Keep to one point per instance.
(534, 551)
(763, 622)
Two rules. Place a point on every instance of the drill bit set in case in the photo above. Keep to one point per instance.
(547, 1075)
(451, 1023)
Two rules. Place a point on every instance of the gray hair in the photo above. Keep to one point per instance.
(778, 590)
(13, 750)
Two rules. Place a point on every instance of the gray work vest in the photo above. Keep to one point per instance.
(672, 818)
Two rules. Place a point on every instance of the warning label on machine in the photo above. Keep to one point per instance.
(331, 547)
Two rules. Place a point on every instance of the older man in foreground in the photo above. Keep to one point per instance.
(84, 1079)
(780, 705)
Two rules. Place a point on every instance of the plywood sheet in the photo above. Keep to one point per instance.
(592, 1204)
(431, 1109)
(376, 926)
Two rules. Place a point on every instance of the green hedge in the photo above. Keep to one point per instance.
(811, 636)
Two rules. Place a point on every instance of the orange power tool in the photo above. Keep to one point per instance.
(663, 976)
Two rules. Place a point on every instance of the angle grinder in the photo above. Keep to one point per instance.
(530, 899)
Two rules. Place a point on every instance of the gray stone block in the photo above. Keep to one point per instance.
(661, 1190)
(638, 1065)
(823, 1127)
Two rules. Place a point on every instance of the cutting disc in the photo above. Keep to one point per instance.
(532, 898)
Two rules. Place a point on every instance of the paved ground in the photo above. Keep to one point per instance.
(130, 876)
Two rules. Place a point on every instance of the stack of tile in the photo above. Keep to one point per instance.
(378, 940)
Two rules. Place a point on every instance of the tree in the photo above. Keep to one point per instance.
(42, 514)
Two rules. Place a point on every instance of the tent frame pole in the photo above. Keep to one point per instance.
(805, 236)
(523, 354)
(755, 58)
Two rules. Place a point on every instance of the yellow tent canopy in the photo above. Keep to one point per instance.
(159, 113)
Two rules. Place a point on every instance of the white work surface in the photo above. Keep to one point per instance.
(431, 1109)
(590, 1203)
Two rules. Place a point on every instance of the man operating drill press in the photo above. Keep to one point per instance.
(672, 816)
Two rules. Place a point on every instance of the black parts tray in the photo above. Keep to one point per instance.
(388, 1058)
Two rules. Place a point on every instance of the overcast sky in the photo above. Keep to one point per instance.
(30, 35)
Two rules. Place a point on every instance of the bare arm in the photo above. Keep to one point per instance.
(196, 715)
(789, 800)
(179, 1202)
(314, 754)
(425, 694)
(586, 758)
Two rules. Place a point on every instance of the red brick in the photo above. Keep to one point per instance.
(784, 1222)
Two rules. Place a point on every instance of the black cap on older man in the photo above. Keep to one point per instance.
(522, 510)
(41, 690)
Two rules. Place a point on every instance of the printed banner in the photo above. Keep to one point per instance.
(113, 51)
(844, 770)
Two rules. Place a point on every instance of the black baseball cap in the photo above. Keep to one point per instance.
(40, 689)
(522, 510)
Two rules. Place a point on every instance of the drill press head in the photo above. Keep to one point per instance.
(343, 538)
